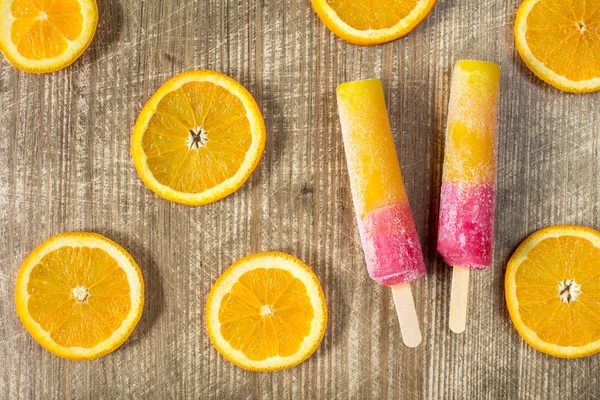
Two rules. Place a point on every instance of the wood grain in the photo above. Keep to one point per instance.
(65, 165)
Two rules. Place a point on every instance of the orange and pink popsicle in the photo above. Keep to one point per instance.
(387, 229)
(390, 241)
(468, 195)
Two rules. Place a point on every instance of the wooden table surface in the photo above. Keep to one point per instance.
(65, 165)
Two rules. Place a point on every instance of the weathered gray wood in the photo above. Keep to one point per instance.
(65, 164)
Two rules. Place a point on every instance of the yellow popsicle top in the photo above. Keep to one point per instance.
(470, 154)
(375, 177)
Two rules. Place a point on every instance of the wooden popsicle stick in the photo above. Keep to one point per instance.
(407, 315)
(459, 299)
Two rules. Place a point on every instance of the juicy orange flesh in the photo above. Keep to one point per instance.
(220, 114)
(369, 14)
(43, 28)
(565, 36)
(260, 336)
(551, 261)
(69, 321)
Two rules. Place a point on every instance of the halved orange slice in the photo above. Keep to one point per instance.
(369, 22)
(559, 40)
(46, 35)
(80, 295)
(553, 291)
(266, 312)
(198, 138)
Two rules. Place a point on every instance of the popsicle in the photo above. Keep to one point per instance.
(468, 195)
(389, 239)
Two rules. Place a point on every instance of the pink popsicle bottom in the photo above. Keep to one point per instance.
(391, 245)
(466, 230)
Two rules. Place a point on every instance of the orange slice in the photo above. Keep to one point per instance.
(198, 138)
(46, 35)
(266, 312)
(553, 291)
(559, 40)
(79, 295)
(369, 22)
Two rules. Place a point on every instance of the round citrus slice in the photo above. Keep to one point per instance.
(266, 312)
(559, 40)
(45, 36)
(80, 295)
(198, 138)
(369, 22)
(553, 291)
